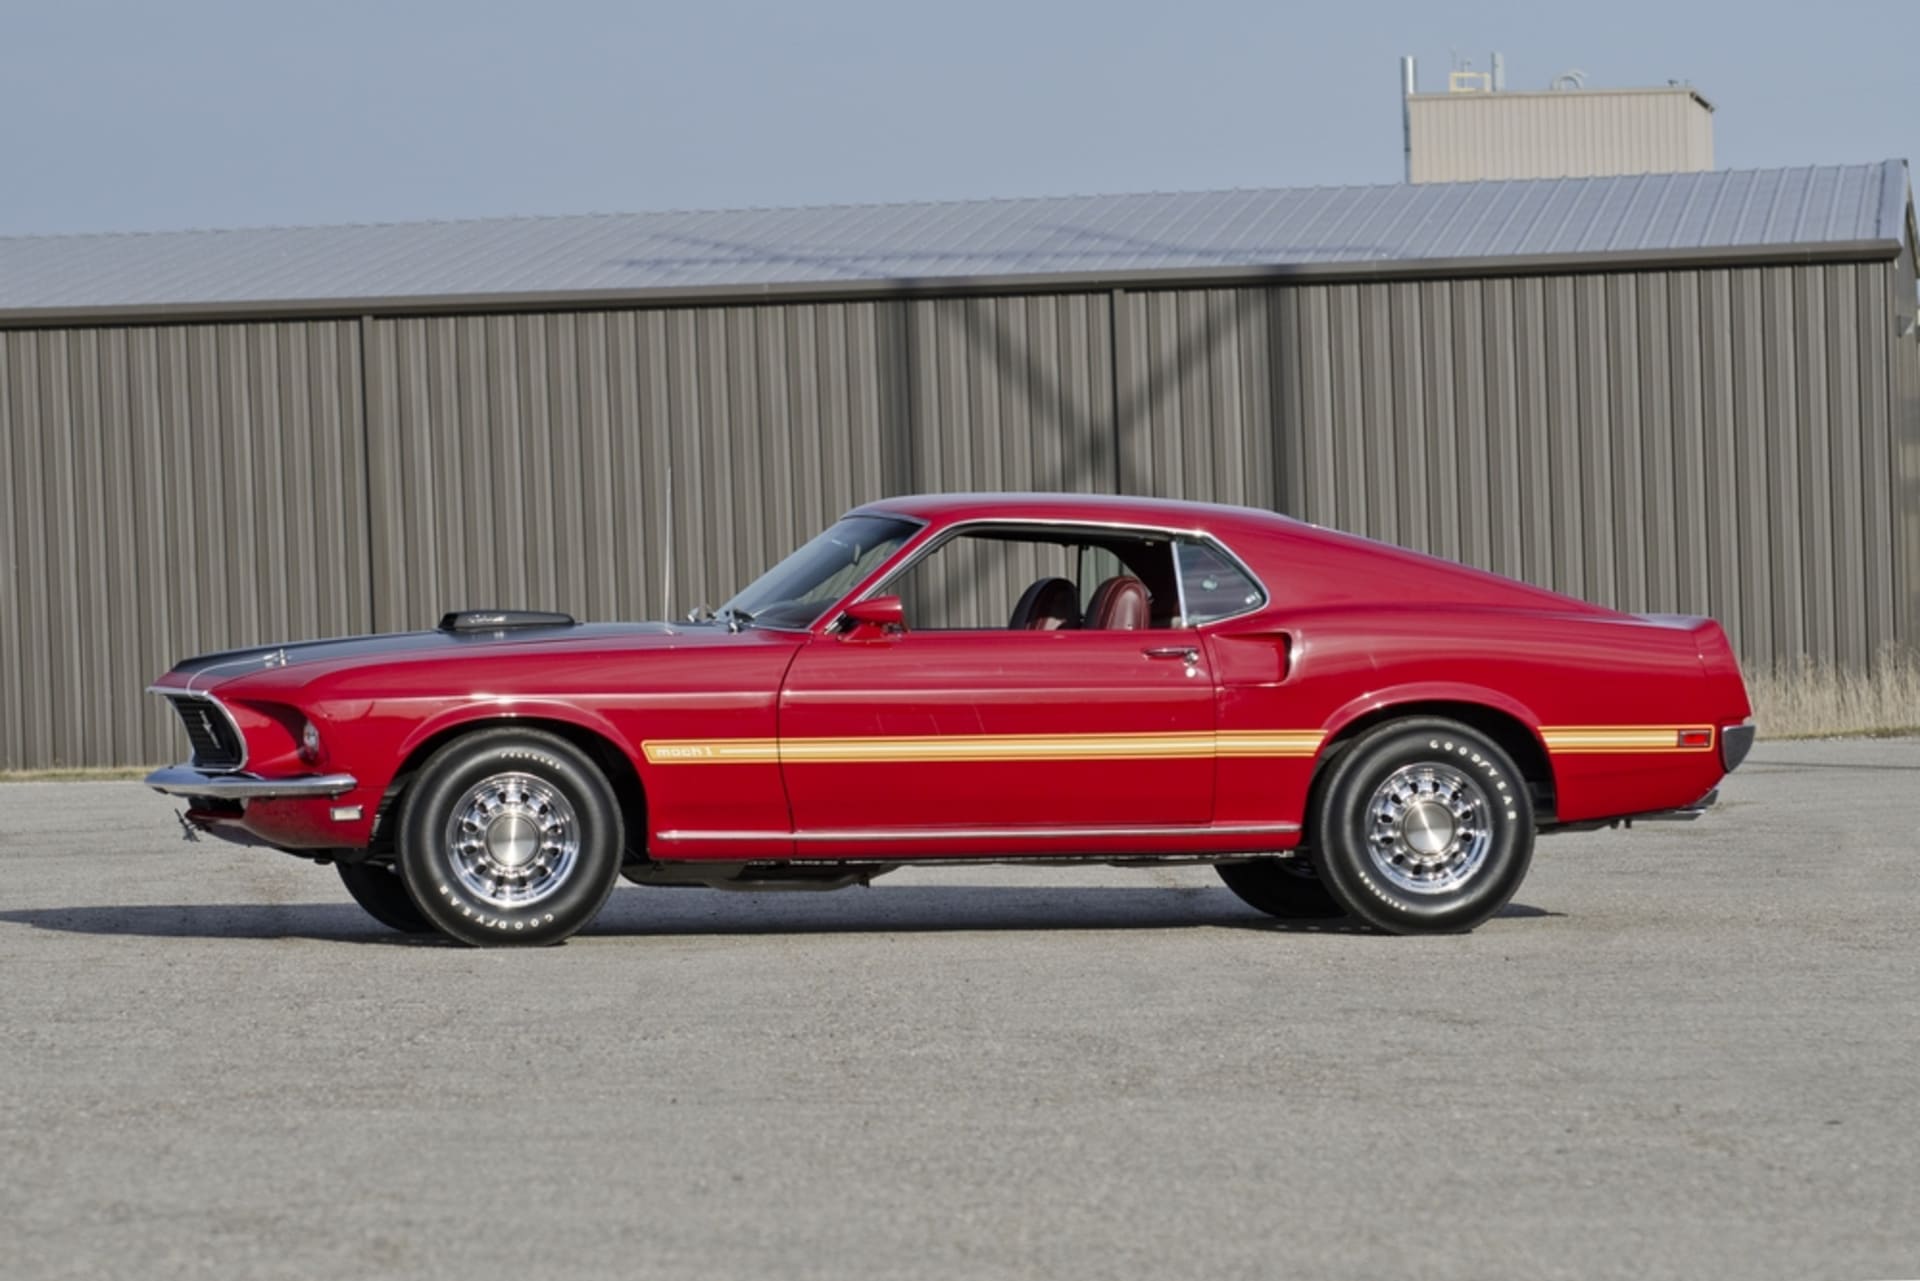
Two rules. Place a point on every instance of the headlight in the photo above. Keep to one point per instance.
(310, 743)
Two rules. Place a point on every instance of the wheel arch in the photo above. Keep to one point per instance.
(599, 745)
(1506, 722)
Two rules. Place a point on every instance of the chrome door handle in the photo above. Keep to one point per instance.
(1185, 653)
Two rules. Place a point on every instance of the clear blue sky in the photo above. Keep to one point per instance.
(163, 114)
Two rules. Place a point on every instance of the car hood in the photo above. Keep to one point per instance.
(208, 670)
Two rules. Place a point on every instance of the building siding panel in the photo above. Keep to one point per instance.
(1692, 442)
(170, 491)
(1902, 282)
(1472, 137)
(620, 464)
(1742, 442)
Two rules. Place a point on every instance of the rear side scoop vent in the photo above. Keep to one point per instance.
(501, 620)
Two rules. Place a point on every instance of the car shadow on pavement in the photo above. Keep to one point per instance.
(681, 912)
(329, 922)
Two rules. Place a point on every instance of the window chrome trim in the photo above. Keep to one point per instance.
(914, 553)
(171, 692)
(1180, 585)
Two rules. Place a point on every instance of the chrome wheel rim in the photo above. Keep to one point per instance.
(512, 840)
(1429, 827)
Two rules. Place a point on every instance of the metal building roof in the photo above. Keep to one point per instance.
(1822, 212)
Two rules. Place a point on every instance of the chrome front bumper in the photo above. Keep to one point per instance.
(182, 780)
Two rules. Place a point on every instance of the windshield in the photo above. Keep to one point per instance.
(800, 588)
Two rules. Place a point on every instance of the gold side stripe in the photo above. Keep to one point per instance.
(1587, 739)
(1268, 743)
(1569, 739)
(980, 747)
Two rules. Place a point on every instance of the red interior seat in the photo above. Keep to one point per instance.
(1048, 604)
(1120, 604)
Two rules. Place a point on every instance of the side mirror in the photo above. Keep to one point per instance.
(877, 614)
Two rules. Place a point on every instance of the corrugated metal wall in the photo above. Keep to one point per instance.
(1713, 442)
(1010, 393)
(1904, 356)
(527, 460)
(168, 491)
(1740, 442)
(1474, 137)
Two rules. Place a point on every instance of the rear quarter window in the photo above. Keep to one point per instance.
(1213, 585)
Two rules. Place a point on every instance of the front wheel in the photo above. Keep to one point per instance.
(1425, 827)
(510, 836)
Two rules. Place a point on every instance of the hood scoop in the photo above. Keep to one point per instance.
(502, 620)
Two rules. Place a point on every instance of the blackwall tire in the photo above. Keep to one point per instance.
(377, 887)
(1287, 888)
(1426, 826)
(510, 837)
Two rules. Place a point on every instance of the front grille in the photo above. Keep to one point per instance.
(216, 744)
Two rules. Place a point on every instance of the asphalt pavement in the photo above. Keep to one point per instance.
(1688, 1050)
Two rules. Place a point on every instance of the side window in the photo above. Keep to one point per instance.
(973, 582)
(1027, 579)
(1213, 585)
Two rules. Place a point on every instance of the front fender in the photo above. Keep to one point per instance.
(509, 709)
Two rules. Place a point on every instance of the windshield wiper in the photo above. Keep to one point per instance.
(735, 619)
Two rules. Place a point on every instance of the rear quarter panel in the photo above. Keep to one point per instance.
(1604, 695)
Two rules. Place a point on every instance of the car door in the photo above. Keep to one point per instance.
(1075, 731)
(965, 723)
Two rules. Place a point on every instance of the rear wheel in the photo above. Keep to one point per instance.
(1285, 887)
(378, 888)
(1425, 827)
(510, 837)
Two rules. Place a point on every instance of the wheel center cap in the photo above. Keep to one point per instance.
(1428, 828)
(512, 840)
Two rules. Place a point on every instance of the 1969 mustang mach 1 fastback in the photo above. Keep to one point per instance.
(1338, 725)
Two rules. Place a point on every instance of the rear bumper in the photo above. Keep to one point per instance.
(1735, 742)
(182, 780)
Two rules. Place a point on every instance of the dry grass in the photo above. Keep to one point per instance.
(1816, 700)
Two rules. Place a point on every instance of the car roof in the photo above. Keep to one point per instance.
(1342, 567)
(1102, 509)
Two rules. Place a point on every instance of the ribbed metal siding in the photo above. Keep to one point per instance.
(1633, 220)
(527, 460)
(1007, 394)
(1011, 393)
(168, 491)
(1709, 442)
(1472, 137)
(1743, 443)
(1905, 465)
(524, 460)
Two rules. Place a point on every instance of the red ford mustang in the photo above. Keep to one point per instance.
(1338, 725)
